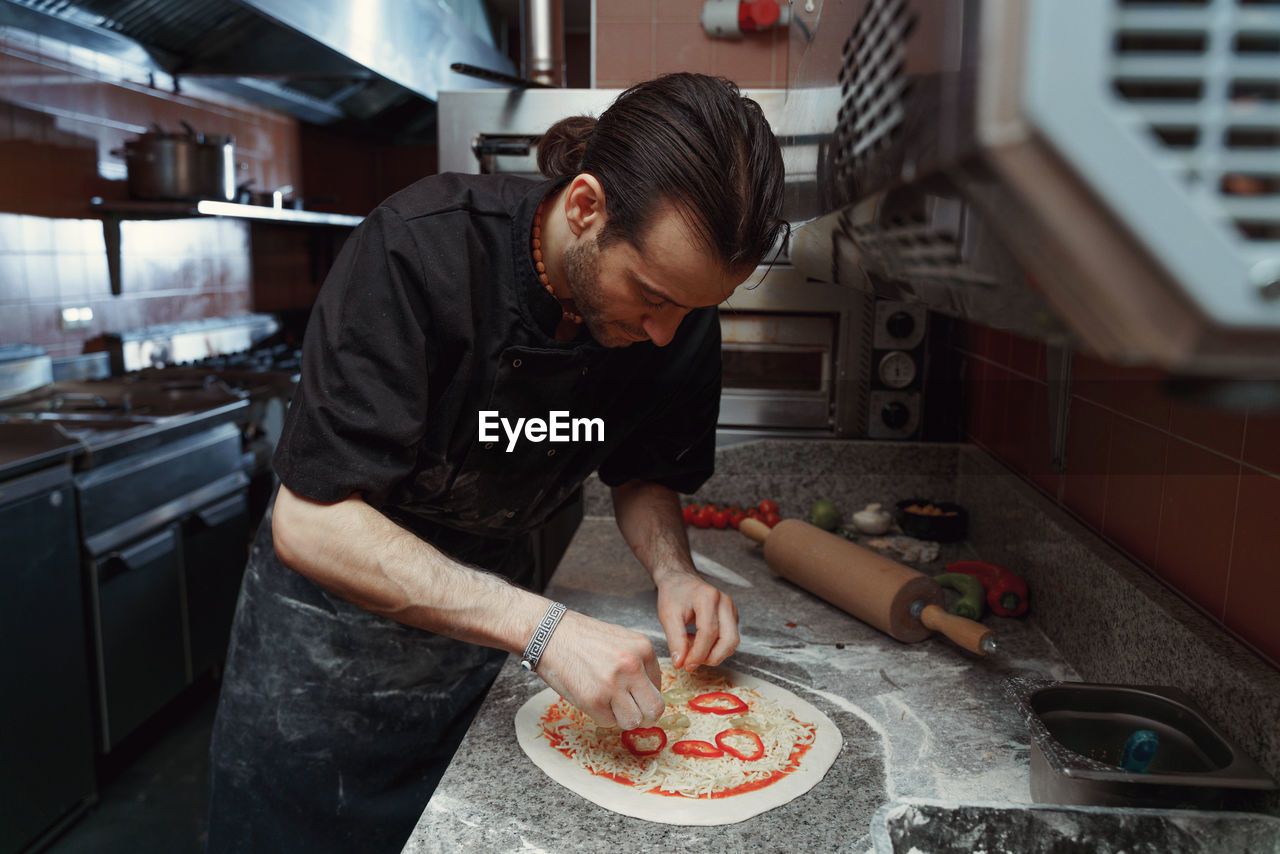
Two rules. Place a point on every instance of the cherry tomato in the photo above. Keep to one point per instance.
(735, 517)
(772, 519)
(720, 519)
(754, 513)
(690, 511)
(711, 508)
(768, 506)
(702, 519)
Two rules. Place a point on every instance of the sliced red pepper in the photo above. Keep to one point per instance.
(751, 755)
(714, 703)
(703, 749)
(631, 739)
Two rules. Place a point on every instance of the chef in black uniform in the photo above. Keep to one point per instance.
(385, 589)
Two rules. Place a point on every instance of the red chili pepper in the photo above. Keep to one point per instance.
(1006, 591)
(757, 746)
(631, 737)
(702, 749)
(712, 703)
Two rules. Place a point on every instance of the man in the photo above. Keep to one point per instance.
(384, 593)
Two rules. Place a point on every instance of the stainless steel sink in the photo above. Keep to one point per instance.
(1079, 732)
(951, 828)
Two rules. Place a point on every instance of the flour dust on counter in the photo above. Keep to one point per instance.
(944, 726)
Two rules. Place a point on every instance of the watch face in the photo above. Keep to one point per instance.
(897, 369)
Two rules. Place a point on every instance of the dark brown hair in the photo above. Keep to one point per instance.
(685, 139)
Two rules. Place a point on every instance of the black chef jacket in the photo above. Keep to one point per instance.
(433, 314)
(334, 724)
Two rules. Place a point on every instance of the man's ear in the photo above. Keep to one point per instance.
(584, 204)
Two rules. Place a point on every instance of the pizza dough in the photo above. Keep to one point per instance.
(674, 809)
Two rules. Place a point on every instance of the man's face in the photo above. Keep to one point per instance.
(625, 297)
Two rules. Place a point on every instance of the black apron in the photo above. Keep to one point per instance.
(334, 724)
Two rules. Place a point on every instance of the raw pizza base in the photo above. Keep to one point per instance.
(667, 809)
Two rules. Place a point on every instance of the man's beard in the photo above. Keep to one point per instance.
(582, 272)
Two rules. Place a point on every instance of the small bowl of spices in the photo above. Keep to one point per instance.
(926, 519)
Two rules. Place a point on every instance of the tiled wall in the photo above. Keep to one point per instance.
(62, 114)
(638, 39)
(1189, 492)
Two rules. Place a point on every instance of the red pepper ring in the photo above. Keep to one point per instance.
(711, 703)
(702, 749)
(631, 737)
(757, 746)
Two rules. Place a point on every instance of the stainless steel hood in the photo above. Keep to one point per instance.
(1099, 173)
(321, 60)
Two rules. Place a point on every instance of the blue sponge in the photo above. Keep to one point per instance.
(1139, 751)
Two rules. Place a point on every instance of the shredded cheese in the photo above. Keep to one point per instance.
(602, 752)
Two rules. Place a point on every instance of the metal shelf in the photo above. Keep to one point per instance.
(113, 212)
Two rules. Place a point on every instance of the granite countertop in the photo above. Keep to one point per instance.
(920, 722)
(924, 720)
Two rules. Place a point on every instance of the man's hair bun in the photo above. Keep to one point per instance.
(563, 145)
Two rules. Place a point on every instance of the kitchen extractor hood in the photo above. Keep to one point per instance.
(382, 62)
(1099, 173)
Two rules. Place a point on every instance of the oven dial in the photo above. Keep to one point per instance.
(895, 415)
(900, 324)
(897, 369)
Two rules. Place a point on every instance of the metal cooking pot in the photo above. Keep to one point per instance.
(181, 166)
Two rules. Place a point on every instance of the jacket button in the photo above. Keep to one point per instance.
(551, 453)
(488, 445)
(517, 363)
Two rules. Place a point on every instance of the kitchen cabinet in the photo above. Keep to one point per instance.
(215, 539)
(47, 771)
(165, 532)
(137, 611)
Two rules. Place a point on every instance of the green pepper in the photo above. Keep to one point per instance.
(971, 593)
(1006, 591)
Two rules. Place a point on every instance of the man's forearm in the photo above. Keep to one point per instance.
(648, 515)
(355, 552)
(649, 518)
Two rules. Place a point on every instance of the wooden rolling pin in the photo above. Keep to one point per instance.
(901, 602)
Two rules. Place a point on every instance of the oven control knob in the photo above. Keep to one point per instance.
(896, 369)
(900, 324)
(895, 415)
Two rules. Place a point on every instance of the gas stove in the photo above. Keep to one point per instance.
(108, 419)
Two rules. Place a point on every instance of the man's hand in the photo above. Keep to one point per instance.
(649, 516)
(609, 672)
(684, 598)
